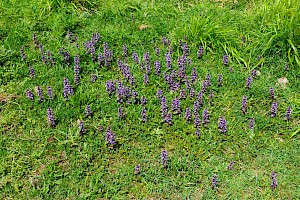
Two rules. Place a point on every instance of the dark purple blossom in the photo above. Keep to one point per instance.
(35, 42)
(251, 123)
(81, 128)
(225, 60)
(100, 59)
(135, 97)
(271, 93)
(194, 75)
(220, 79)
(164, 158)
(131, 80)
(214, 182)
(192, 93)
(204, 86)
(254, 73)
(135, 57)
(273, 109)
(205, 117)
(208, 77)
(88, 111)
(288, 113)
(182, 94)
(286, 66)
(110, 137)
(49, 92)
(125, 51)
(185, 49)
(197, 132)
(157, 51)
(137, 169)
(197, 121)
(143, 114)
(244, 104)
(29, 94)
(248, 82)
(39, 92)
(164, 40)
(200, 98)
(23, 55)
(231, 70)
(230, 166)
(120, 112)
(157, 67)
(274, 181)
(168, 60)
(164, 107)
(159, 94)
(175, 106)
(50, 117)
(93, 78)
(143, 100)
(168, 118)
(200, 52)
(188, 115)
(31, 72)
(146, 79)
(222, 125)
(110, 87)
(67, 57)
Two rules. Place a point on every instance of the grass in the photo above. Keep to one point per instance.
(41, 162)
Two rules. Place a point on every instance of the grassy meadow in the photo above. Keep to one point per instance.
(86, 140)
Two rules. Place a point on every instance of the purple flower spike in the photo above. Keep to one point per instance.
(204, 86)
(157, 51)
(271, 93)
(168, 60)
(220, 79)
(214, 181)
(231, 70)
(192, 93)
(186, 49)
(159, 94)
(248, 82)
(39, 92)
(286, 66)
(23, 55)
(176, 106)
(197, 121)
(244, 104)
(164, 107)
(50, 92)
(135, 57)
(188, 115)
(164, 40)
(205, 117)
(50, 116)
(125, 51)
(93, 78)
(110, 87)
(222, 125)
(137, 169)
(164, 158)
(88, 111)
(143, 100)
(251, 123)
(208, 79)
(110, 137)
(182, 94)
(194, 75)
(76, 74)
(29, 94)
(288, 113)
(81, 127)
(31, 72)
(274, 181)
(230, 166)
(198, 133)
(168, 118)
(274, 109)
(100, 60)
(157, 67)
(200, 52)
(120, 112)
(254, 73)
(146, 79)
(225, 60)
(196, 108)
(143, 113)
(135, 97)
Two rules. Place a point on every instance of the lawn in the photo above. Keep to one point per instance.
(149, 99)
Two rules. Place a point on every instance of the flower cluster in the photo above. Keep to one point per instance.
(274, 181)
(222, 125)
(244, 104)
(273, 109)
(110, 137)
(164, 158)
(68, 88)
(50, 116)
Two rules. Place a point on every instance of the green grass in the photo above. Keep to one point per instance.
(40, 162)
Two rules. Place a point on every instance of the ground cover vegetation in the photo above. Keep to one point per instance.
(149, 99)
